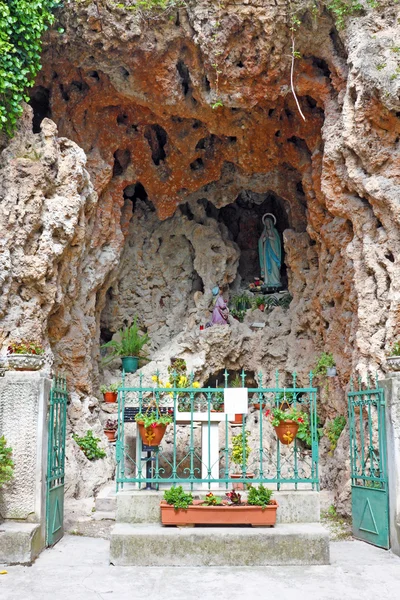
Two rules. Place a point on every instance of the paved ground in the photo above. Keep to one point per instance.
(77, 569)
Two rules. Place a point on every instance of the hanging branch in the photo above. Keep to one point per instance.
(292, 79)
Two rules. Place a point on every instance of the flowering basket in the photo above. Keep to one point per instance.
(287, 423)
(152, 425)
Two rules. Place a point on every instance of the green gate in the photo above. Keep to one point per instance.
(369, 482)
(56, 461)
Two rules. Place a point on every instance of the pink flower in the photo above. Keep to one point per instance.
(153, 425)
(300, 420)
(267, 413)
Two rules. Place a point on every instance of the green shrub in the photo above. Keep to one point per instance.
(89, 445)
(260, 496)
(178, 498)
(131, 344)
(22, 24)
(334, 429)
(6, 463)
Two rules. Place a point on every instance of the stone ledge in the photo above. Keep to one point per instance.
(142, 506)
(20, 543)
(154, 545)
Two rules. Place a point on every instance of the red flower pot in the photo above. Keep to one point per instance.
(240, 485)
(110, 397)
(286, 431)
(238, 420)
(151, 436)
(111, 434)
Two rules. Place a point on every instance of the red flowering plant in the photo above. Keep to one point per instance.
(25, 347)
(277, 415)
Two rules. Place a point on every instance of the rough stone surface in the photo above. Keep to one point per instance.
(20, 543)
(82, 253)
(213, 546)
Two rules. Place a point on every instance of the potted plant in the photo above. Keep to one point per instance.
(110, 392)
(286, 423)
(152, 426)
(241, 302)
(260, 303)
(110, 429)
(393, 359)
(326, 366)
(25, 356)
(130, 348)
(240, 457)
(179, 508)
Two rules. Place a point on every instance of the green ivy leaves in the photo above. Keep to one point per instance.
(22, 23)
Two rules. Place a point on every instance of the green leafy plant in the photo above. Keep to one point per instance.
(395, 349)
(238, 314)
(277, 415)
(218, 401)
(178, 498)
(259, 301)
(241, 449)
(324, 362)
(285, 300)
(304, 432)
(25, 347)
(6, 463)
(89, 445)
(241, 302)
(153, 418)
(259, 496)
(131, 344)
(111, 387)
(22, 24)
(333, 431)
(211, 500)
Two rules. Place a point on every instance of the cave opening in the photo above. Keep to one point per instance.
(40, 103)
(244, 221)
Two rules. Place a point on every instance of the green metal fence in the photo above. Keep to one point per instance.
(369, 482)
(196, 450)
(57, 421)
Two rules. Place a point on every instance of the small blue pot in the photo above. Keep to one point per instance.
(130, 364)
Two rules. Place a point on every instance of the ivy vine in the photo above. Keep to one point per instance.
(22, 23)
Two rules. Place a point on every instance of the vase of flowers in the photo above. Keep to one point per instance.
(25, 356)
(286, 423)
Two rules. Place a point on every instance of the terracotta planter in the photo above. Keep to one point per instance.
(219, 515)
(110, 397)
(151, 436)
(238, 420)
(111, 434)
(240, 485)
(261, 307)
(221, 409)
(257, 406)
(286, 431)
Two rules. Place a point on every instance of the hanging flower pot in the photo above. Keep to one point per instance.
(286, 431)
(287, 422)
(152, 435)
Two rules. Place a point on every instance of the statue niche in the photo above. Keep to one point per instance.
(270, 253)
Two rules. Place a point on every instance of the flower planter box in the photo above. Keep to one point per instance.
(199, 514)
(25, 362)
(394, 363)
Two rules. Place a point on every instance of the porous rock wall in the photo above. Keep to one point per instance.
(136, 95)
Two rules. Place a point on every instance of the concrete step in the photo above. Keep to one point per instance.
(106, 500)
(103, 515)
(143, 506)
(20, 543)
(154, 545)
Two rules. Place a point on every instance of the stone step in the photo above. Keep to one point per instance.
(155, 545)
(20, 543)
(143, 506)
(106, 500)
(103, 515)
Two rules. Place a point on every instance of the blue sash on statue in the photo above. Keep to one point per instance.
(267, 256)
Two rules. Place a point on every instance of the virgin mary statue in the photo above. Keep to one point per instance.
(269, 249)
